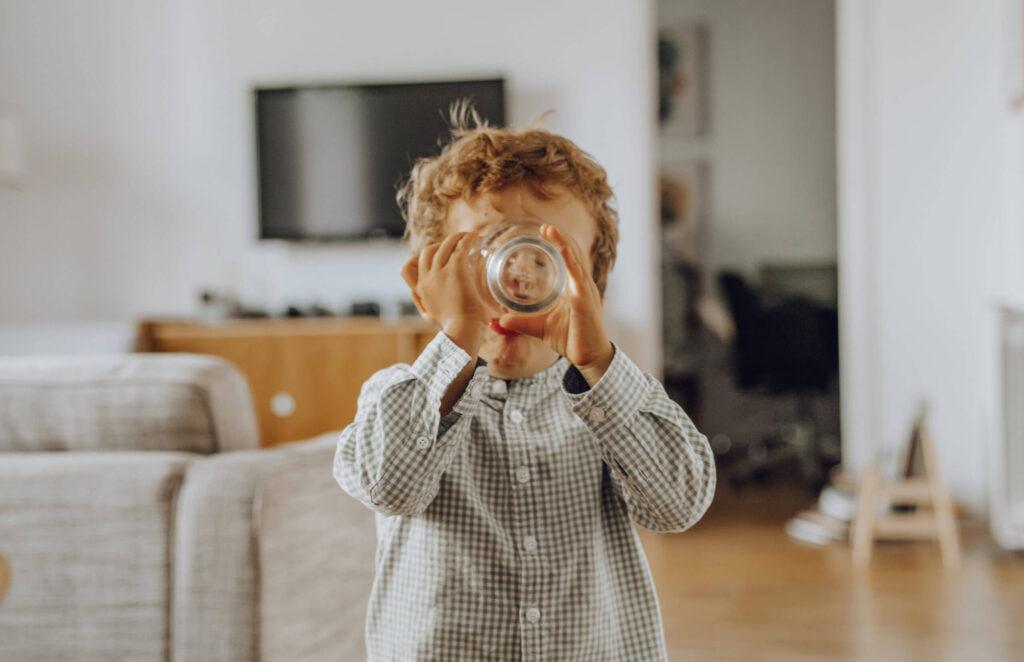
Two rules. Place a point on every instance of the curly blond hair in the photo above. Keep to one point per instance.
(482, 159)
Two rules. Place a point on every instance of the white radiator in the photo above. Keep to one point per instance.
(1008, 465)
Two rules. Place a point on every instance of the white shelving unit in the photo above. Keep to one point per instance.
(1008, 463)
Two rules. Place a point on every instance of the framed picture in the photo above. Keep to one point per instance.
(685, 208)
(683, 82)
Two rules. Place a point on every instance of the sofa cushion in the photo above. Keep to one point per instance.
(129, 402)
(88, 537)
(313, 610)
(273, 561)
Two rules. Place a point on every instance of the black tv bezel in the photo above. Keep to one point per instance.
(381, 235)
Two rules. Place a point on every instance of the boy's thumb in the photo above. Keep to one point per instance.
(531, 326)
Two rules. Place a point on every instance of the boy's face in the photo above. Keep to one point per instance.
(515, 356)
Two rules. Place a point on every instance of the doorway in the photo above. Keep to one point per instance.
(749, 233)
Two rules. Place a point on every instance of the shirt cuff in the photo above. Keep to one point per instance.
(439, 364)
(614, 398)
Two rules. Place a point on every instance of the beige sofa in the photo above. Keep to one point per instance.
(142, 522)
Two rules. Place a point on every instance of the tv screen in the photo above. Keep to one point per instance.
(330, 158)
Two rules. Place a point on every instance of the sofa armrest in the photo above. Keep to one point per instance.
(273, 560)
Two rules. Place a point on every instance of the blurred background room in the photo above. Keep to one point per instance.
(822, 257)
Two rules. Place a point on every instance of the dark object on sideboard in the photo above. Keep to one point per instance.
(366, 309)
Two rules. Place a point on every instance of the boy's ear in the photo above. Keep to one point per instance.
(410, 274)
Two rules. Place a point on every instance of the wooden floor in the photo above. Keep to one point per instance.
(734, 587)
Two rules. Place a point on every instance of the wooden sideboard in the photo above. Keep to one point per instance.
(304, 374)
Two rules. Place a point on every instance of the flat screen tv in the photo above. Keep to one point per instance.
(330, 158)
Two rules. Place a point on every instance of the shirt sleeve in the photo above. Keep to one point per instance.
(392, 456)
(661, 465)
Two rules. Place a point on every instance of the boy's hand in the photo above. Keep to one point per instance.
(573, 328)
(445, 283)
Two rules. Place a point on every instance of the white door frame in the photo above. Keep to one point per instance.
(856, 214)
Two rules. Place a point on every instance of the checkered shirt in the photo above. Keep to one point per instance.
(504, 528)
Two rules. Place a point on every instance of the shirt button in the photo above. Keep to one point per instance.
(533, 615)
(596, 414)
(530, 544)
(423, 442)
(498, 387)
(523, 475)
(516, 416)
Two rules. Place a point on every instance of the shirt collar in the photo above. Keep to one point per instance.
(552, 374)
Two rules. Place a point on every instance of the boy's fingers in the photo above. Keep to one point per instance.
(531, 326)
(469, 243)
(567, 247)
(503, 232)
(427, 257)
(468, 248)
(447, 248)
(570, 254)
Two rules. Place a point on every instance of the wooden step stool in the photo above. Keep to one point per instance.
(921, 486)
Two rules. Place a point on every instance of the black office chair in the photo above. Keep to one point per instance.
(790, 350)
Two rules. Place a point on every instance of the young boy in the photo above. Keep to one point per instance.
(507, 462)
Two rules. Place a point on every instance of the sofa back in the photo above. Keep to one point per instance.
(129, 402)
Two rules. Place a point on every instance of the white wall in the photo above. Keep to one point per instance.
(771, 146)
(929, 217)
(140, 186)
